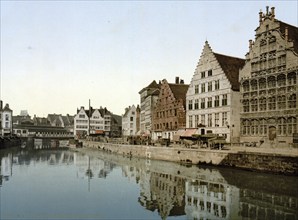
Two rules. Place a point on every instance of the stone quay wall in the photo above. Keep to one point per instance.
(256, 161)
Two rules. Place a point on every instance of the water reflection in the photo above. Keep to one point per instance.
(167, 189)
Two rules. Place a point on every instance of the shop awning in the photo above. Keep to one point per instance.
(189, 132)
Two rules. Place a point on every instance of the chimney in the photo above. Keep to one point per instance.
(1, 104)
(267, 10)
(286, 34)
(181, 81)
(177, 80)
(272, 13)
(250, 44)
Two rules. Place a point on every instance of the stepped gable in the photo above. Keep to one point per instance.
(231, 66)
(179, 91)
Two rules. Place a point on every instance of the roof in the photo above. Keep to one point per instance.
(179, 91)
(152, 85)
(292, 33)
(231, 66)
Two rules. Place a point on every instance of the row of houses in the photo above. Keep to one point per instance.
(243, 100)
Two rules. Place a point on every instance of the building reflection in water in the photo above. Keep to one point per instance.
(174, 190)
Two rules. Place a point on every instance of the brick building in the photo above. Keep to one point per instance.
(269, 84)
(169, 113)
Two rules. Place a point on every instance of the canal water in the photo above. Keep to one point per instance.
(89, 184)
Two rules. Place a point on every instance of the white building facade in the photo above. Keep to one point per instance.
(5, 120)
(213, 97)
(81, 123)
(130, 121)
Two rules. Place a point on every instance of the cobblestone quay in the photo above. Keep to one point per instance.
(273, 160)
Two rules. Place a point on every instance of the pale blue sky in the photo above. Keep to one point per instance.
(56, 55)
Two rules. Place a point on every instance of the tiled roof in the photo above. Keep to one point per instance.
(231, 67)
(179, 91)
(152, 85)
(292, 33)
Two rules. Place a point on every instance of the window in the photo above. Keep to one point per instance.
(196, 89)
(245, 105)
(190, 121)
(282, 126)
(203, 119)
(197, 104)
(202, 74)
(292, 101)
(263, 127)
(202, 103)
(272, 103)
(254, 85)
(203, 88)
(271, 82)
(209, 86)
(209, 72)
(216, 101)
(189, 104)
(281, 80)
(6, 117)
(224, 100)
(224, 118)
(196, 120)
(262, 83)
(245, 86)
(292, 124)
(216, 121)
(209, 120)
(254, 105)
(281, 102)
(131, 118)
(209, 102)
(81, 116)
(262, 104)
(216, 85)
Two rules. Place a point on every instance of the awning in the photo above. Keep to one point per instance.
(189, 132)
(99, 132)
(176, 136)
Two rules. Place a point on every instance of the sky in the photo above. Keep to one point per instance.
(58, 55)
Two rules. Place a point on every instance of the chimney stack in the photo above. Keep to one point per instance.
(177, 80)
(181, 81)
(250, 44)
(272, 13)
(286, 34)
(1, 104)
(267, 10)
(260, 16)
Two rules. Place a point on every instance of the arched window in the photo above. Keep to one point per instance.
(282, 126)
(254, 105)
(245, 127)
(271, 82)
(254, 85)
(245, 105)
(281, 102)
(262, 83)
(272, 103)
(292, 78)
(292, 125)
(263, 127)
(255, 127)
(292, 101)
(281, 80)
(245, 86)
(263, 104)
